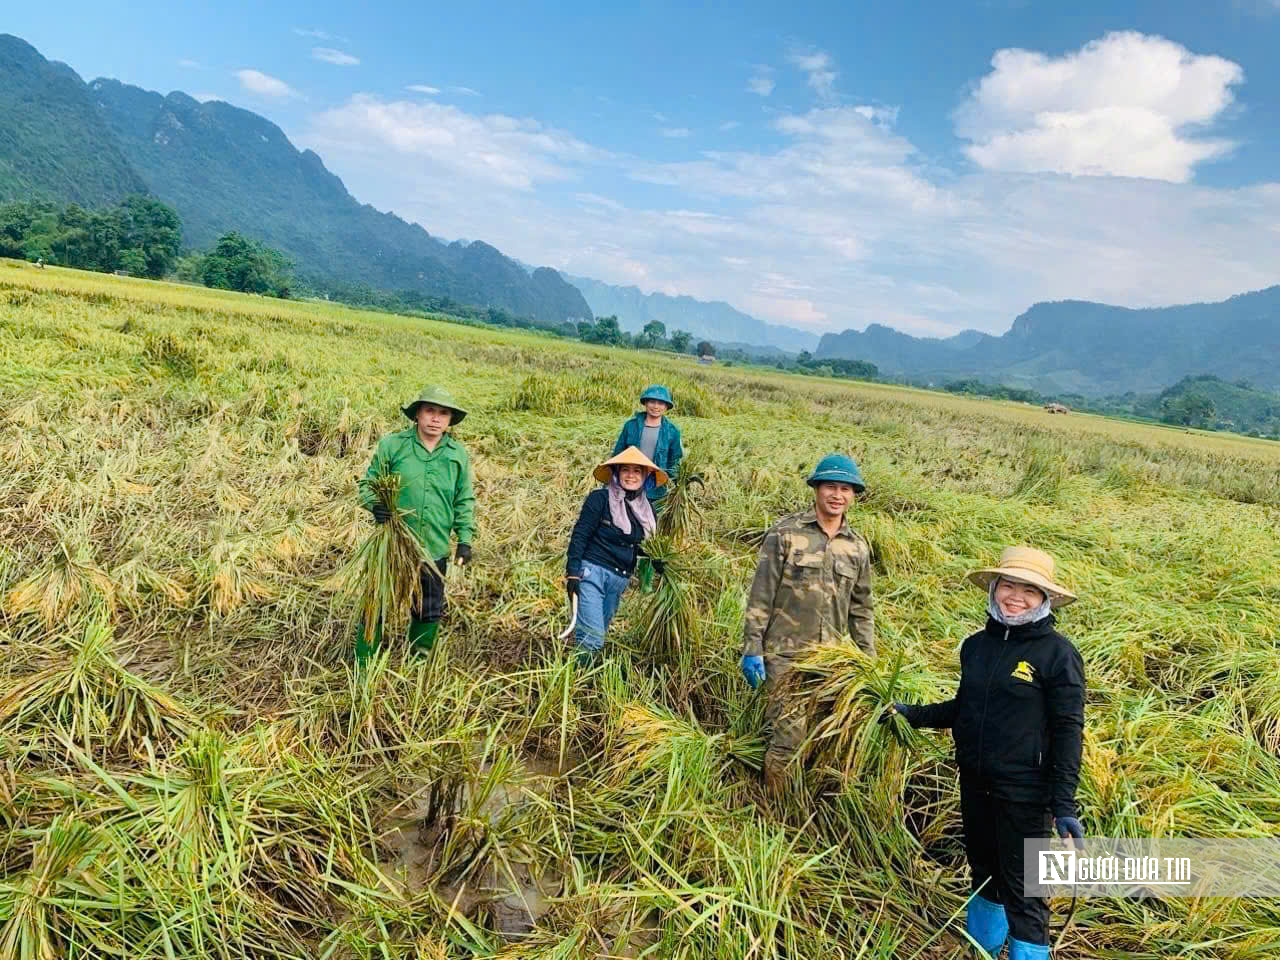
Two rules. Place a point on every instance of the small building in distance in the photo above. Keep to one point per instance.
(707, 359)
(1057, 408)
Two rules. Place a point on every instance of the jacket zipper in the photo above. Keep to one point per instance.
(986, 698)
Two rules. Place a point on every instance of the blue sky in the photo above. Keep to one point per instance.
(932, 166)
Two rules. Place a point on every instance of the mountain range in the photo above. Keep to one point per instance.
(223, 168)
(1073, 346)
(714, 320)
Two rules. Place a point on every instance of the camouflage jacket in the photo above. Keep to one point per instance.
(808, 589)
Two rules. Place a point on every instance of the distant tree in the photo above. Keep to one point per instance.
(1189, 409)
(805, 358)
(653, 335)
(134, 262)
(190, 268)
(239, 263)
(706, 348)
(680, 341)
(156, 232)
(605, 330)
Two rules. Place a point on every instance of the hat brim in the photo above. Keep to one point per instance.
(667, 403)
(858, 486)
(604, 472)
(1059, 596)
(411, 411)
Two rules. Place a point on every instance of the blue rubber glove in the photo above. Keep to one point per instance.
(1069, 827)
(753, 670)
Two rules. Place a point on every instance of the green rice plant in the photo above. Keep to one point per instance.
(68, 581)
(47, 909)
(1043, 473)
(383, 576)
(680, 511)
(667, 623)
(231, 574)
(82, 690)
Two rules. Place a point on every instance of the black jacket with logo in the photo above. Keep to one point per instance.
(1018, 716)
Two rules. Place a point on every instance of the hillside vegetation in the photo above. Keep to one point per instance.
(189, 767)
(226, 169)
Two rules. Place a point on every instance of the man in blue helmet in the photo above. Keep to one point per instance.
(812, 586)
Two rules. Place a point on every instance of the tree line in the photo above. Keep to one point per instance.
(142, 237)
(1201, 401)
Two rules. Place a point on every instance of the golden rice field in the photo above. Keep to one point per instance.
(189, 766)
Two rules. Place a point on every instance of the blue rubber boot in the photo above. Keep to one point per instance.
(1021, 950)
(986, 923)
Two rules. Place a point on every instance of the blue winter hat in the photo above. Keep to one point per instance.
(837, 468)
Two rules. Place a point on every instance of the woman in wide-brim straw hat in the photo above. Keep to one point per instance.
(1017, 720)
(614, 522)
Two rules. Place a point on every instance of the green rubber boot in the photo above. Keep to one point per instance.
(365, 650)
(422, 635)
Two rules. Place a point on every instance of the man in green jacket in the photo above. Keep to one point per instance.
(436, 497)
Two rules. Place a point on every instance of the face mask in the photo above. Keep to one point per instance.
(1029, 616)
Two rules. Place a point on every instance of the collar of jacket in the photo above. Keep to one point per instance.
(446, 442)
(810, 518)
(1028, 631)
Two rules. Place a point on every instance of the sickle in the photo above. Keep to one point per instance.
(573, 619)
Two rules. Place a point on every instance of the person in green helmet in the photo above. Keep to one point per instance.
(653, 433)
(436, 496)
(812, 585)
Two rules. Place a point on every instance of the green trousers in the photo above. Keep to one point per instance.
(422, 637)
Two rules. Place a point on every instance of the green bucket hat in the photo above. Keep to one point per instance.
(837, 468)
(441, 398)
(656, 391)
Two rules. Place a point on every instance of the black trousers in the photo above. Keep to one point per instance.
(993, 833)
(431, 610)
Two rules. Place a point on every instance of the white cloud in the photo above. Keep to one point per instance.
(819, 69)
(1126, 105)
(761, 81)
(336, 57)
(191, 64)
(844, 223)
(264, 85)
(423, 88)
(466, 91)
(730, 125)
(449, 144)
(312, 33)
(675, 133)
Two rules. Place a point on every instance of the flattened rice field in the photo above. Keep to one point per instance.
(189, 766)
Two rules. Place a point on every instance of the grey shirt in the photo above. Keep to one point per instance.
(649, 440)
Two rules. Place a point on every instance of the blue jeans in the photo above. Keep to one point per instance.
(599, 593)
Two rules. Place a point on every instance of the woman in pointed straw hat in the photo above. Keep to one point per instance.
(1017, 720)
(615, 520)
